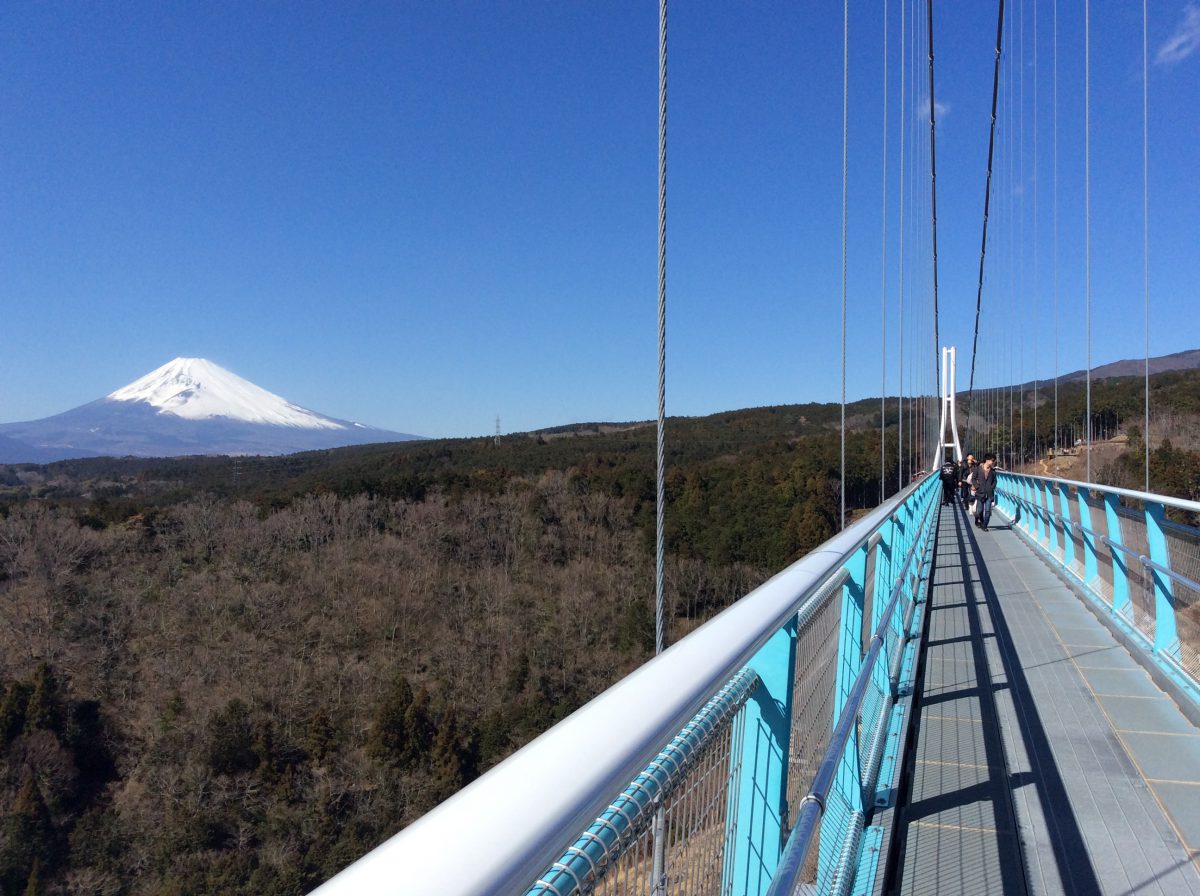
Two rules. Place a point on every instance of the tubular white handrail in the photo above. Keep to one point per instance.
(1165, 500)
(505, 829)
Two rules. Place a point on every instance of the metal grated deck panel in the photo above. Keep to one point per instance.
(1045, 760)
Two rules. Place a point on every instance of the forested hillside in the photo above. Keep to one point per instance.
(237, 675)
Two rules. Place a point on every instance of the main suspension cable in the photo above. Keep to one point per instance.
(933, 193)
(987, 201)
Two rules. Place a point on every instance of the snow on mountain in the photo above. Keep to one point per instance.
(198, 389)
(187, 407)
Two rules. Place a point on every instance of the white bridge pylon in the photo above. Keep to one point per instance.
(949, 427)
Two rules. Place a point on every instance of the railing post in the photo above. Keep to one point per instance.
(884, 554)
(1064, 503)
(885, 551)
(1121, 605)
(1091, 568)
(1051, 524)
(999, 501)
(847, 782)
(757, 807)
(1166, 635)
(850, 645)
(1035, 498)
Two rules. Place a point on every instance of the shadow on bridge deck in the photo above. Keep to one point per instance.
(1044, 759)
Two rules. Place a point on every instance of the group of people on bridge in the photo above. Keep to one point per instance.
(972, 483)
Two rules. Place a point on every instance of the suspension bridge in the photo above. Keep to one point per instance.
(920, 705)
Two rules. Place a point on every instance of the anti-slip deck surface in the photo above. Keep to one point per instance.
(1045, 760)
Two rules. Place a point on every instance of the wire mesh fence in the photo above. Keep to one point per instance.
(677, 827)
(1127, 547)
(813, 691)
(693, 781)
(1183, 548)
(695, 816)
(1141, 585)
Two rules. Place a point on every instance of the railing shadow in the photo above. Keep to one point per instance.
(995, 789)
(1066, 839)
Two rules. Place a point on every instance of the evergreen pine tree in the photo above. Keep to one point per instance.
(26, 838)
(32, 886)
(12, 712)
(418, 726)
(389, 737)
(44, 709)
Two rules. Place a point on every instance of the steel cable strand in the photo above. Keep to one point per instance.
(883, 269)
(1087, 205)
(1146, 229)
(659, 873)
(933, 193)
(845, 176)
(662, 324)
(987, 201)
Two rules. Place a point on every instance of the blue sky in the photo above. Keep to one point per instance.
(424, 215)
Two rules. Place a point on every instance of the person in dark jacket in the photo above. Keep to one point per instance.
(949, 477)
(983, 487)
(965, 470)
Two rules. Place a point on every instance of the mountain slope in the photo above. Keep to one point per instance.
(188, 406)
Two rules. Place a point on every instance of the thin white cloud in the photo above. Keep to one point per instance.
(940, 109)
(1184, 41)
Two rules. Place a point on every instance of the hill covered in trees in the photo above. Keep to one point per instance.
(236, 675)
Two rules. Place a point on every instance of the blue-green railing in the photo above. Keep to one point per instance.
(773, 721)
(1138, 566)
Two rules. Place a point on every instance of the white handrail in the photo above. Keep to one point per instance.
(498, 834)
(1181, 503)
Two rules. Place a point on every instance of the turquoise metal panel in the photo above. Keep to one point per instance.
(882, 589)
(850, 643)
(1064, 502)
(868, 866)
(1052, 523)
(1121, 604)
(1035, 498)
(882, 586)
(1166, 635)
(847, 787)
(1091, 567)
(1029, 517)
(758, 798)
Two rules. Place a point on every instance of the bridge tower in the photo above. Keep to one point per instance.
(949, 427)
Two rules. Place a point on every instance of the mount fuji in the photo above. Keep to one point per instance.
(187, 406)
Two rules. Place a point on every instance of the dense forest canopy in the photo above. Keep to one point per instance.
(237, 675)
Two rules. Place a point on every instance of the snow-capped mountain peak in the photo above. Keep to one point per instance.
(198, 389)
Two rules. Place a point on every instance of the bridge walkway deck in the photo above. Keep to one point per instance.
(1044, 759)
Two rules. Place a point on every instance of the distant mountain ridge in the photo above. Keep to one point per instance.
(1188, 360)
(188, 406)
